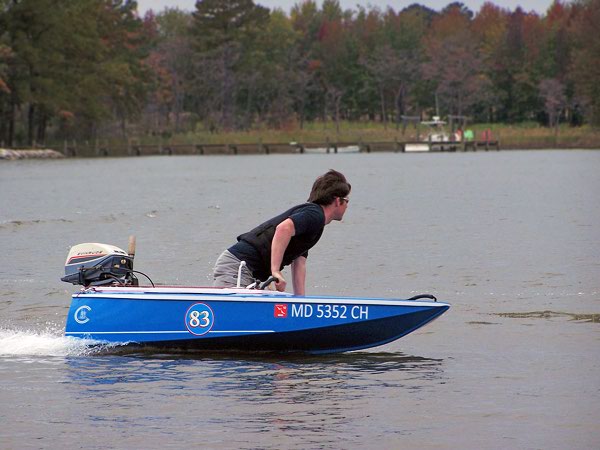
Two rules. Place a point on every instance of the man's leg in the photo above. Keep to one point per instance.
(226, 271)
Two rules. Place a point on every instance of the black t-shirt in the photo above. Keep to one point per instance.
(254, 247)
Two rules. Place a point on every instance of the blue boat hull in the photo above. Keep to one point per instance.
(202, 319)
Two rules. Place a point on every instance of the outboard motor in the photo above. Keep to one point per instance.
(94, 264)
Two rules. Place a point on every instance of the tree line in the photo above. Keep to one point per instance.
(94, 68)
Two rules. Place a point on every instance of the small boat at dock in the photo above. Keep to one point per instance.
(435, 139)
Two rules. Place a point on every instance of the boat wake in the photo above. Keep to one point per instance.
(46, 343)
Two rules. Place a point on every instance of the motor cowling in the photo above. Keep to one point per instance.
(95, 264)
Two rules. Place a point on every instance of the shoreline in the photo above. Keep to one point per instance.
(266, 149)
(313, 137)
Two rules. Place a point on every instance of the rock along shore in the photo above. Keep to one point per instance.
(29, 154)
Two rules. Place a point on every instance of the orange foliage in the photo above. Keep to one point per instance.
(533, 33)
(66, 115)
(557, 13)
(314, 64)
(330, 32)
(4, 87)
(163, 79)
(449, 24)
(489, 26)
(371, 25)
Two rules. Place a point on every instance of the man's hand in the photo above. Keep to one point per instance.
(281, 284)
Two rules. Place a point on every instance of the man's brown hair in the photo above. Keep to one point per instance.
(329, 186)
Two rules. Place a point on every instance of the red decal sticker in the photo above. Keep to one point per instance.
(281, 311)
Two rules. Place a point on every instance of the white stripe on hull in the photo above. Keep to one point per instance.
(256, 299)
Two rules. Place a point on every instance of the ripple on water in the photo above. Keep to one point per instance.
(595, 318)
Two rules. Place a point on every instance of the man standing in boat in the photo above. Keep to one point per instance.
(285, 239)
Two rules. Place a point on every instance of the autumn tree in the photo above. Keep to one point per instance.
(556, 48)
(552, 92)
(337, 53)
(123, 38)
(306, 19)
(225, 32)
(5, 54)
(5, 114)
(33, 31)
(275, 73)
(406, 32)
(171, 62)
(454, 63)
(585, 69)
(75, 61)
(489, 30)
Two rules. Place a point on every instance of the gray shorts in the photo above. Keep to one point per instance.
(226, 271)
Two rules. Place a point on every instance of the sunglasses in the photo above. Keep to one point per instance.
(346, 199)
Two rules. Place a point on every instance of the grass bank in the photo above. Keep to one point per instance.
(519, 136)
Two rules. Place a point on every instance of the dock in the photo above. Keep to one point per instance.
(85, 150)
(275, 148)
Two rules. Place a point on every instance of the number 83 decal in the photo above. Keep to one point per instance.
(199, 319)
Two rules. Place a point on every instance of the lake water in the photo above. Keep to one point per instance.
(510, 239)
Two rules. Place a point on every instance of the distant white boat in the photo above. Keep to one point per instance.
(436, 133)
(346, 149)
(416, 147)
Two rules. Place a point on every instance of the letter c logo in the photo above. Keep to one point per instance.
(81, 314)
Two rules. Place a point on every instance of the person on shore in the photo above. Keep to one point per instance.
(285, 239)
